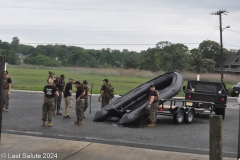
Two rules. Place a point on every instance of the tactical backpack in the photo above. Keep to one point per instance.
(109, 91)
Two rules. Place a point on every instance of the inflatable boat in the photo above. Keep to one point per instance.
(132, 106)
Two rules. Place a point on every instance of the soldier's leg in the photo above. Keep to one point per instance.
(59, 100)
(55, 104)
(85, 103)
(68, 105)
(5, 99)
(156, 110)
(50, 109)
(152, 114)
(77, 111)
(82, 103)
(104, 102)
(44, 111)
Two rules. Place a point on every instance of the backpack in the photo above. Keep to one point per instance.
(109, 91)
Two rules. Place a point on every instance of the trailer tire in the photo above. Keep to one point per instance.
(178, 117)
(189, 116)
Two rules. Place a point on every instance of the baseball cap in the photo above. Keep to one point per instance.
(62, 75)
(151, 85)
(77, 82)
(6, 72)
(106, 80)
(85, 82)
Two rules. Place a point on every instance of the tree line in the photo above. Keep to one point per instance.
(164, 56)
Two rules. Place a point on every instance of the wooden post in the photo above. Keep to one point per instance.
(2, 65)
(238, 156)
(215, 135)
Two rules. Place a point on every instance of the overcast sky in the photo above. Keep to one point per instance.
(100, 24)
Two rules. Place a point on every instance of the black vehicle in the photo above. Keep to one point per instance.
(214, 92)
(235, 90)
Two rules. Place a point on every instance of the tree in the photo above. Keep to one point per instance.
(212, 50)
(15, 43)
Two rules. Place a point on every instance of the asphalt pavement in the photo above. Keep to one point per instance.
(24, 118)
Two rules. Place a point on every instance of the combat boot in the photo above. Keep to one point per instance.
(50, 124)
(6, 110)
(43, 123)
(80, 123)
(76, 122)
(151, 125)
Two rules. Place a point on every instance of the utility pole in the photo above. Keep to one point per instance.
(220, 12)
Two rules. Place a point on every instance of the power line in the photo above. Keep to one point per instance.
(103, 9)
(232, 31)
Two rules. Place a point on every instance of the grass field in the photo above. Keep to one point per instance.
(34, 78)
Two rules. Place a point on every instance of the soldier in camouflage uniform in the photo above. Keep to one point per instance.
(86, 89)
(7, 85)
(49, 92)
(104, 96)
(60, 86)
(153, 105)
(80, 93)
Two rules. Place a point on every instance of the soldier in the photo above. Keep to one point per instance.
(60, 86)
(153, 105)
(106, 94)
(68, 97)
(79, 102)
(49, 92)
(86, 89)
(7, 86)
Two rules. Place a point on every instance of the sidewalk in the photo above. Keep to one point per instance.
(30, 147)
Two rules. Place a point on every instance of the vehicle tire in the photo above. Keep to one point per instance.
(220, 112)
(232, 94)
(178, 117)
(189, 116)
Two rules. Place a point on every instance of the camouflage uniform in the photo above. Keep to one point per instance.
(5, 96)
(47, 109)
(80, 109)
(105, 101)
(86, 98)
(154, 108)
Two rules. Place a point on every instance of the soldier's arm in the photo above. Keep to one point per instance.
(9, 88)
(151, 101)
(82, 95)
(56, 93)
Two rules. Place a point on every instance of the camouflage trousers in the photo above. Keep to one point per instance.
(85, 103)
(80, 109)
(47, 109)
(105, 101)
(5, 98)
(153, 112)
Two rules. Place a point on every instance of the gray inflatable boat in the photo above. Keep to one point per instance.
(132, 107)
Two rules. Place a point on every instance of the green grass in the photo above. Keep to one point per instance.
(34, 77)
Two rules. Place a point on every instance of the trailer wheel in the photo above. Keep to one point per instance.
(189, 116)
(178, 117)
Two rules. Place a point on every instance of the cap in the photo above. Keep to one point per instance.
(71, 78)
(77, 82)
(151, 85)
(6, 72)
(106, 80)
(51, 73)
(62, 75)
(85, 82)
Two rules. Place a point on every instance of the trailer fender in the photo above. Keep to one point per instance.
(176, 109)
(188, 109)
